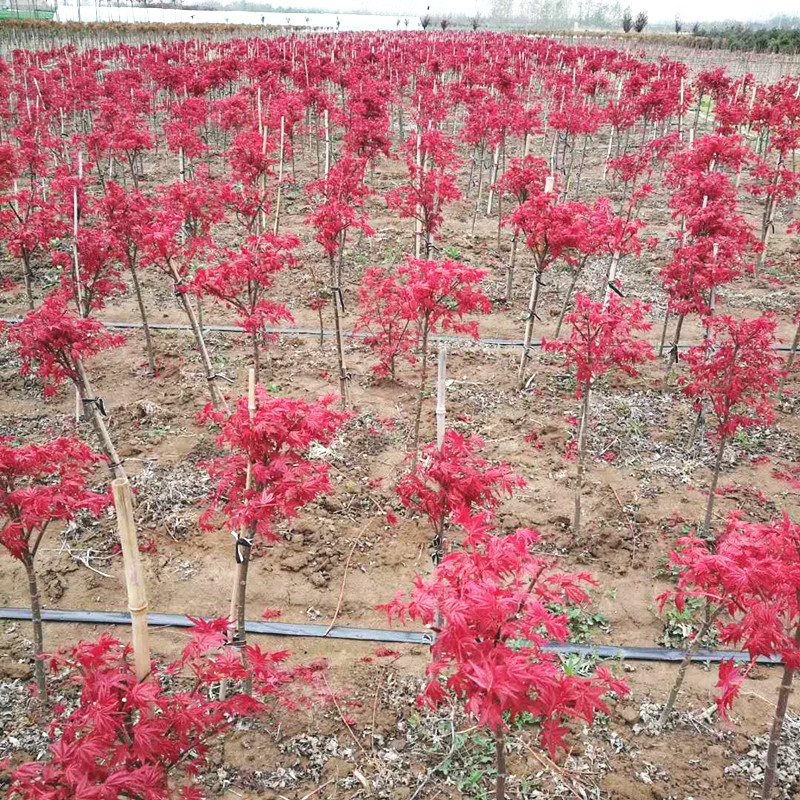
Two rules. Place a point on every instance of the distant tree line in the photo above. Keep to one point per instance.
(746, 37)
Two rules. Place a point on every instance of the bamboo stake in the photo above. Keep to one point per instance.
(75, 259)
(441, 395)
(243, 545)
(280, 181)
(495, 167)
(612, 276)
(134, 576)
(327, 143)
(417, 218)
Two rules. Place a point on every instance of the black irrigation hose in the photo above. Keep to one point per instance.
(667, 654)
(172, 326)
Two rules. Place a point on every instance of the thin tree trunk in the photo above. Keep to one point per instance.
(493, 179)
(713, 490)
(663, 334)
(216, 395)
(580, 167)
(423, 376)
(471, 170)
(673, 354)
(38, 631)
(243, 546)
(500, 764)
(91, 408)
(694, 646)
(512, 259)
(526, 343)
(27, 273)
(768, 218)
(145, 325)
(581, 466)
(790, 360)
(695, 428)
(238, 612)
(777, 725)
(336, 292)
(480, 189)
(565, 304)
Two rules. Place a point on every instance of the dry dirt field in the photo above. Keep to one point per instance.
(340, 557)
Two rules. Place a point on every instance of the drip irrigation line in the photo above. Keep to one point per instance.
(328, 332)
(300, 629)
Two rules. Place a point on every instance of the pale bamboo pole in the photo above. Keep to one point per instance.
(441, 395)
(75, 259)
(417, 219)
(262, 186)
(134, 576)
(237, 634)
(280, 181)
(495, 167)
(327, 143)
(77, 270)
(241, 566)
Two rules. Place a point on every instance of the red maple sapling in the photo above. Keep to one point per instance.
(454, 477)
(41, 485)
(749, 579)
(267, 474)
(493, 601)
(150, 740)
(601, 339)
(733, 375)
(53, 343)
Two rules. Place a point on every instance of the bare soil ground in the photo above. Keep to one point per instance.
(642, 480)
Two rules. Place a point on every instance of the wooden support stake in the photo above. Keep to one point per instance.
(238, 596)
(134, 577)
(441, 394)
(275, 227)
(327, 142)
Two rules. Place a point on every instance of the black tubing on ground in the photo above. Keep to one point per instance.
(299, 629)
(327, 332)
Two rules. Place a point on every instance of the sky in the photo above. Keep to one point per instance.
(658, 10)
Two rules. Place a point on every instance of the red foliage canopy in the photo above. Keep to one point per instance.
(52, 339)
(40, 484)
(275, 444)
(494, 599)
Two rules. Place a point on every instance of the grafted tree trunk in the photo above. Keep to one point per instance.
(500, 764)
(337, 323)
(708, 620)
(777, 725)
(713, 489)
(145, 324)
(581, 465)
(673, 353)
(423, 377)
(38, 632)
